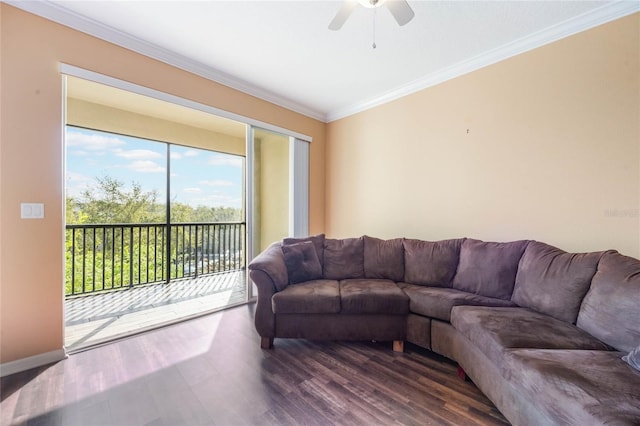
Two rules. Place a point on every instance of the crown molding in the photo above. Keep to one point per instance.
(66, 17)
(606, 13)
(609, 12)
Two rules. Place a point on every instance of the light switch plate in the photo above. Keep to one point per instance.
(31, 210)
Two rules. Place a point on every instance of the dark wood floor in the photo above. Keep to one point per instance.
(211, 371)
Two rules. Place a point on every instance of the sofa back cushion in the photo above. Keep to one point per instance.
(383, 259)
(317, 240)
(488, 268)
(552, 281)
(431, 263)
(343, 259)
(611, 309)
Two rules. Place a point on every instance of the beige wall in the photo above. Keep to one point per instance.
(31, 155)
(541, 146)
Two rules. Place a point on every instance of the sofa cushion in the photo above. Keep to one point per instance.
(488, 268)
(317, 240)
(302, 262)
(493, 330)
(436, 302)
(344, 258)
(367, 296)
(431, 263)
(383, 259)
(610, 311)
(577, 387)
(310, 297)
(552, 281)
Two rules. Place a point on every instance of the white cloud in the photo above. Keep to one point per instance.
(192, 190)
(191, 153)
(137, 154)
(76, 183)
(92, 142)
(216, 182)
(225, 160)
(145, 166)
(175, 155)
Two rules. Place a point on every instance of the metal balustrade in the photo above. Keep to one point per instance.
(105, 257)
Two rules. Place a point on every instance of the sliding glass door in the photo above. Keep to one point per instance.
(224, 188)
(277, 197)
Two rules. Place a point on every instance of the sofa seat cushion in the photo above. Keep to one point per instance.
(494, 330)
(436, 302)
(578, 387)
(369, 296)
(310, 297)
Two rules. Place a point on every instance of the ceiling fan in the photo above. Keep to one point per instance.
(400, 10)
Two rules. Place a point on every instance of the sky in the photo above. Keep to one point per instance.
(198, 177)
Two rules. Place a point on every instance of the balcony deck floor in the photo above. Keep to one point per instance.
(97, 318)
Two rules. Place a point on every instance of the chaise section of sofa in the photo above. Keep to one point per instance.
(557, 358)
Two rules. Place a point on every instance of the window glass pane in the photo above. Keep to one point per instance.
(113, 178)
(206, 186)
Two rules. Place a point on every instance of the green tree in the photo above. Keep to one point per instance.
(109, 201)
(217, 214)
(102, 258)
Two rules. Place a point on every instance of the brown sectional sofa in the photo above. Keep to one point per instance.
(541, 332)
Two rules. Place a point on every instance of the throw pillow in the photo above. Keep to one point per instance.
(317, 240)
(302, 262)
(633, 358)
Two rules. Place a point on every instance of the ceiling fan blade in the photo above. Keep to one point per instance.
(342, 15)
(400, 10)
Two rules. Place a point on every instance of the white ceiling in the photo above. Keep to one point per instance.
(282, 51)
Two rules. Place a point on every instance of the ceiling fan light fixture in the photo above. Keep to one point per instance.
(371, 4)
(400, 10)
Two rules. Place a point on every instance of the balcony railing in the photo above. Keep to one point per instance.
(114, 256)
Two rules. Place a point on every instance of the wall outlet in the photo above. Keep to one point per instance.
(31, 210)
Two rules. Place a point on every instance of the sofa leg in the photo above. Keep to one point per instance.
(398, 345)
(266, 342)
(462, 374)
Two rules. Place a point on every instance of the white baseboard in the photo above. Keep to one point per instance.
(31, 362)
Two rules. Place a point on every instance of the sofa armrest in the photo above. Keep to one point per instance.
(269, 273)
(271, 263)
